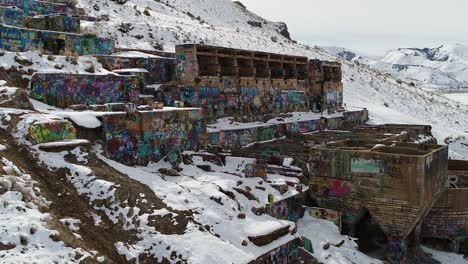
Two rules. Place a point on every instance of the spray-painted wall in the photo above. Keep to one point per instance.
(63, 90)
(448, 217)
(11, 16)
(20, 39)
(149, 136)
(237, 138)
(161, 70)
(250, 101)
(61, 23)
(396, 183)
(32, 8)
(290, 252)
(51, 132)
(289, 209)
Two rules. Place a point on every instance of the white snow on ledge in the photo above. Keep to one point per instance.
(64, 143)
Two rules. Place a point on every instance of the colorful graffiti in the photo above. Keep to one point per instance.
(150, 136)
(288, 209)
(332, 187)
(256, 169)
(396, 250)
(54, 23)
(287, 253)
(51, 132)
(20, 39)
(161, 70)
(11, 16)
(33, 8)
(229, 85)
(367, 166)
(63, 90)
(325, 214)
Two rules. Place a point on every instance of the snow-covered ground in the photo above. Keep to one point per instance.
(446, 257)
(458, 97)
(24, 229)
(341, 250)
(225, 23)
(440, 69)
(209, 236)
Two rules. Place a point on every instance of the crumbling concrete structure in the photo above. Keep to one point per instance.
(231, 82)
(59, 22)
(397, 183)
(447, 223)
(160, 69)
(63, 90)
(144, 136)
(21, 39)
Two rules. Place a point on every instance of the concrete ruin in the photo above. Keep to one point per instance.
(160, 69)
(446, 225)
(232, 82)
(389, 180)
(63, 90)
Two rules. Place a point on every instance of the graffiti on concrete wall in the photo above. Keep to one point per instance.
(150, 136)
(20, 39)
(222, 99)
(288, 209)
(396, 249)
(367, 166)
(287, 253)
(33, 8)
(332, 187)
(63, 90)
(50, 132)
(229, 85)
(160, 69)
(54, 23)
(325, 214)
(11, 16)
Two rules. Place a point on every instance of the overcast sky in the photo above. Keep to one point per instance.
(370, 26)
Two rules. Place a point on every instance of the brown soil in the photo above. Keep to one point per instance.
(69, 203)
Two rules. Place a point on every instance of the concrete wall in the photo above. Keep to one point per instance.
(448, 218)
(20, 39)
(11, 16)
(250, 101)
(234, 139)
(289, 209)
(32, 8)
(62, 23)
(290, 252)
(63, 90)
(161, 70)
(398, 185)
(266, 82)
(51, 132)
(149, 136)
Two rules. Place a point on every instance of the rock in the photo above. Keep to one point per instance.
(326, 246)
(245, 243)
(206, 168)
(241, 216)
(168, 172)
(247, 194)
(268, 238)
(24, 240)
(339, 244)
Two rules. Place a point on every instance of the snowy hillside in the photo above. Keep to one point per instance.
(83, 207)
(225, 23)
(443, 68)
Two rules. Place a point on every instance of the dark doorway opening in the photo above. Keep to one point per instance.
(54, 45)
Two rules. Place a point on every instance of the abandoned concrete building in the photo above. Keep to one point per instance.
(392, 181)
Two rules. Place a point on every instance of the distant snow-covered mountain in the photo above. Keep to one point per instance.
(443, 68)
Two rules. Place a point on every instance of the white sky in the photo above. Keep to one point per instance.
(370, 26)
